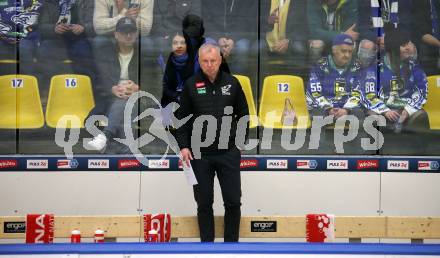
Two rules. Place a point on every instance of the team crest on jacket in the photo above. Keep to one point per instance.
(200, 84)
(201, 87)
(226, 90)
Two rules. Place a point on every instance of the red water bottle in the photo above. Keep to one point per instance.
(99, 236)
(75, 236)
(152, 236)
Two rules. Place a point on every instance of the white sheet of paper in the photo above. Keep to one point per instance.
(189, 174)
(166, 113)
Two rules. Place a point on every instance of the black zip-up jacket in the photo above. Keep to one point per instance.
(201, 97)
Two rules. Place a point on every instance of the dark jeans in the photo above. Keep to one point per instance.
(227, 167)
(115, 127)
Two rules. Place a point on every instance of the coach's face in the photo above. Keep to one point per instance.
(210, 61)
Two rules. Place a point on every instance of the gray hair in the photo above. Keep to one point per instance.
(365, 42)
(208, 47)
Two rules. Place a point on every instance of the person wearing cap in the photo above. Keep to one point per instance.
(119, 79)
(108, 12)
(331, 89)
(332, 80)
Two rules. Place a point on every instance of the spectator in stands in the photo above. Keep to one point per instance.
(19, 35)
(285, 26)
(331, 88)
(120, 73)
(367, 53)
(427, 21)
(167, 20)
(378, 16)
(403, 82)
(193, 32)
(328, 18)
(332, 91)
(368, 81)
(183, 62)
(234, 25)
(66, 27)
(109, 12)
(176, 72)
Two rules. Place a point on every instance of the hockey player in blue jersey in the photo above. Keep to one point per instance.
(332, 81)
(403, 85)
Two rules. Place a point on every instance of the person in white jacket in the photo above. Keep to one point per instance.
(108, 12)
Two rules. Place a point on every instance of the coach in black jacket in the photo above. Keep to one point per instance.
(212, 96)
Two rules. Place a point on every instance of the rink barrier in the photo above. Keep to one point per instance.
(249, 163)
(354, 228)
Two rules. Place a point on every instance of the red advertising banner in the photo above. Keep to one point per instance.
(320, 228)
(39, 228)
(159, 222)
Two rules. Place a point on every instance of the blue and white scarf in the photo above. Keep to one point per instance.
(65, 6)
(435, 18)
(387, 12)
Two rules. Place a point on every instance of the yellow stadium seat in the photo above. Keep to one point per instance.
(247, 89)
(432, 105)
(276, 88)
(69, 95)
(8, 61)
(20, 104)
